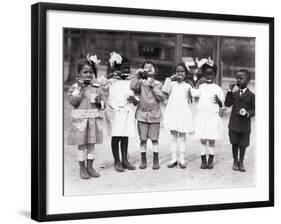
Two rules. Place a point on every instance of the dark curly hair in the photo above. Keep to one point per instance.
(180, 64)
(247, 73)
(152, 63)
(84, 61)
(206, 66)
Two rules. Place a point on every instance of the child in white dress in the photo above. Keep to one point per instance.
(120, 110)
(208, 124)
(178, 117)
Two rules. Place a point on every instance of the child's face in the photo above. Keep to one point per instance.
(241, 80)
(180, 72)
(150, 69)
(86, 72)
(125, 70)
(209, 75)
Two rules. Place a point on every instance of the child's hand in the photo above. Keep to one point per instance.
(150, 81)
(231, 86)
(132, 99)
(140, 73)
(98, 101)
(110, 75)
(174, 77)
(217, 100)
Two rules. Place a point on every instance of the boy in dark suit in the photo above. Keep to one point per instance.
(243, 109)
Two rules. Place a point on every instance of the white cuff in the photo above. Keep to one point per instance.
(76, 92)
(102, 105)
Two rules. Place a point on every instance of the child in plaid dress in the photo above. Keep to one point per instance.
(86, 116)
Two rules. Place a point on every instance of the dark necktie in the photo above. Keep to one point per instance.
(241, 92)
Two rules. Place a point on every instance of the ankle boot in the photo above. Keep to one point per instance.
(235, 165)
(156, 165)
(211, 162)
(118, 166)
(91, 171)
(83, 171)
(143, 161)
(204, 162)
(171, 165)
(125, 163)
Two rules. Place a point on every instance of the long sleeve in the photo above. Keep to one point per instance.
(252, 110)
(135, 85)
(74, 96)
(158, 93)
(229, 99)
(167, 86)
(221, 97)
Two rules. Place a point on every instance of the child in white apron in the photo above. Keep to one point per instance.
(120, 110)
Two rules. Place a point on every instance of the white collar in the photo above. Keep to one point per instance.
(243, 90)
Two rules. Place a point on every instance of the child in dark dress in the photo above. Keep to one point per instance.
(243, 109)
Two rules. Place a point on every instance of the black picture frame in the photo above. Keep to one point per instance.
(39, 108)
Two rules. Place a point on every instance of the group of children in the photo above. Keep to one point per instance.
(120, 101)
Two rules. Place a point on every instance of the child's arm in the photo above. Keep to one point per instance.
(229, 96)
(252, 112)
(157, 91)
(167, 86)
(218, 101)
(100, 100)
(219, 98)
(135, 83)
(74, 95)
(133, 100)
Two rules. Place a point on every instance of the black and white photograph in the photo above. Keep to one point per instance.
(153, 111)
(148, 112)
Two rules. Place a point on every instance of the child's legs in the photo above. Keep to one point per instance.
(174, 144)
(243, 144)
(212, 144)
(124, 144)
(155, 146)
(182, 141)
(242, 150)
(124, 147)
(143, 145)
(90, 151)
(143, 133)
(203, 148)
(153, 135)
(115, 147)
(235, 151)
(81, 152)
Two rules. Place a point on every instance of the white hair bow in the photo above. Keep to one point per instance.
(204, 61)
(114, 57)
(93, 58)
